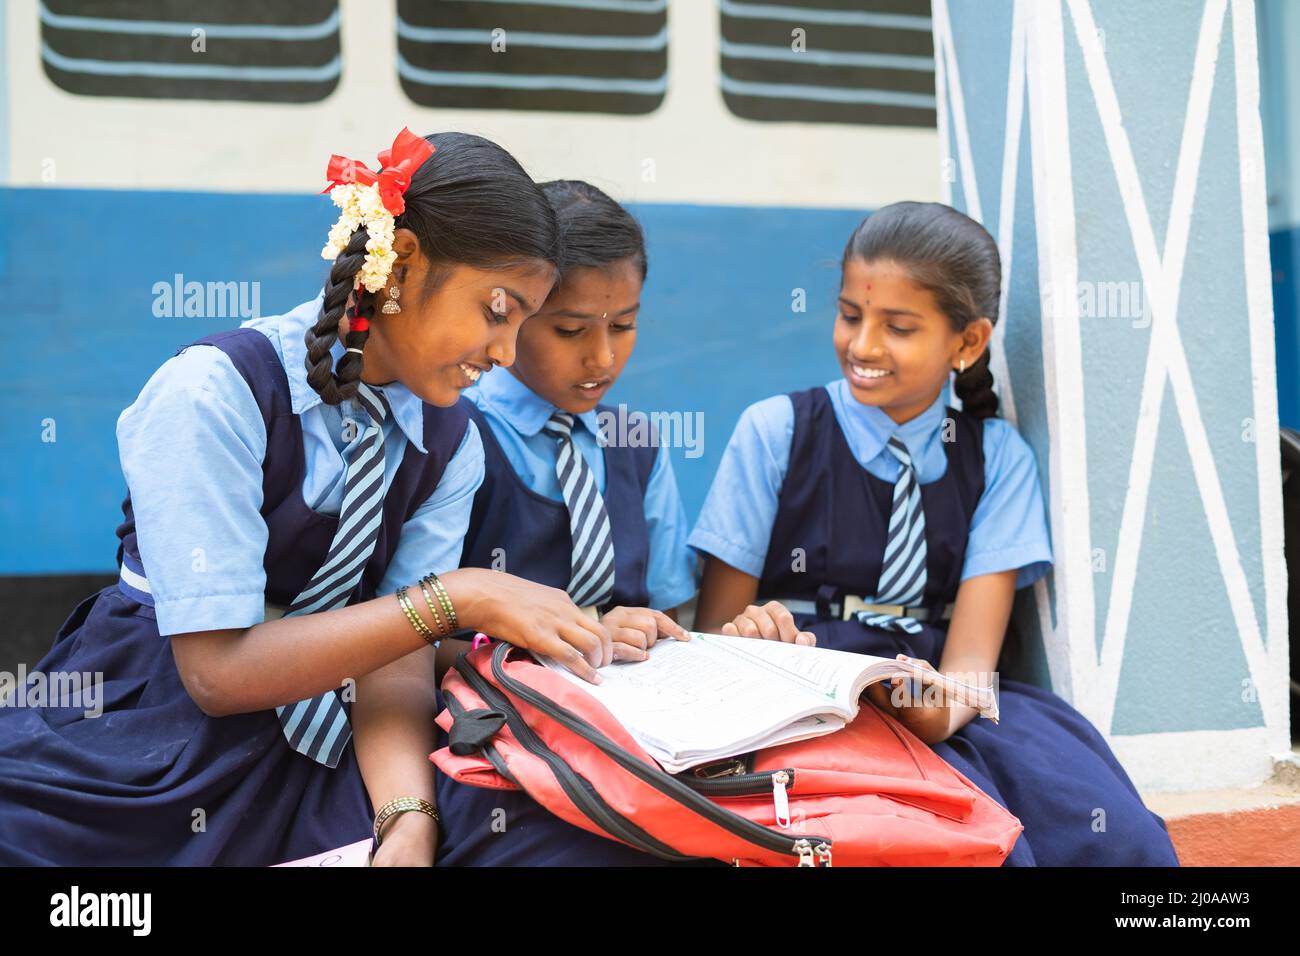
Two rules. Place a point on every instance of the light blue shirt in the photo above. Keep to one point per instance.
(192, 446)
(516, 415)
(1008, 530)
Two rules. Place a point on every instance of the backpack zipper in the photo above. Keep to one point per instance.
(777, 782)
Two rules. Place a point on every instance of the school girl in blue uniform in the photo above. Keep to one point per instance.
(298, 464)
(871, 491)
(608, 526)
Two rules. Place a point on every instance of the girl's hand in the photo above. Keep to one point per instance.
(538, 618)
(771, 622)
(635, 629)
(411, 839)
(924, 710)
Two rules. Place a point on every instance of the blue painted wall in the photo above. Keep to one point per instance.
(717, 329)
(1279, 93)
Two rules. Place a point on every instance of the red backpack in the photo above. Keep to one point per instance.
(872, 794)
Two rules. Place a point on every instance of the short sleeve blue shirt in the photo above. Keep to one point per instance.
(192, 446)
(1008, 530)
(516, 415)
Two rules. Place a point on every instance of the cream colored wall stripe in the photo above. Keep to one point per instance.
(1259, 299)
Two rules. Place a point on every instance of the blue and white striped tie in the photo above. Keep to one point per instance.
(591, 580)
(902, 572)
(318, 728)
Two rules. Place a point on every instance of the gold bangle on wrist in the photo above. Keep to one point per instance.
(444, 599)
(401, 805)
(443, 630)
(416, 622)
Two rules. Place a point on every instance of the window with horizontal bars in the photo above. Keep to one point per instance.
(828, 61)
(281, 51)
(590, 56)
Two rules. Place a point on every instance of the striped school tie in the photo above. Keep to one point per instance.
(318, 728)
(902, 572)
(591, 580)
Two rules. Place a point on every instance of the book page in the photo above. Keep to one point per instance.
(699, 698)
(718, 696)
(834, 676)
(823, 670)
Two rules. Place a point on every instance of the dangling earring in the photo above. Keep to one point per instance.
(961, 369)
(391, 307)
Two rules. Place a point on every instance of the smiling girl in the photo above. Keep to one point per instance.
(288, 482)
(867, 516)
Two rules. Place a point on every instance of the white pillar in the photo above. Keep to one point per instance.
(1115, 152)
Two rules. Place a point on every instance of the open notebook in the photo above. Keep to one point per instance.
(716, 696)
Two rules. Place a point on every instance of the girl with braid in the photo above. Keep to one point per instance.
(867, 516)
(298, 491)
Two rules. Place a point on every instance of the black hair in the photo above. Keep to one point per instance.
(956, 260)
(594, 229)
(469, 203)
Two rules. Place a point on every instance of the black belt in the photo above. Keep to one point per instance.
(834, 606)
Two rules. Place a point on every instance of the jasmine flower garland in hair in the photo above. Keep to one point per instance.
(373, 200)
(362, 206)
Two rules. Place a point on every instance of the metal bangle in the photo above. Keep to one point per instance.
(420, 627)
(402, 805)
(443, 630)
(445, 600)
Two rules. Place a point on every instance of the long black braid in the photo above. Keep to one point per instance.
(336, 384)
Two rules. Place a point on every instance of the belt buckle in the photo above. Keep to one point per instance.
(853, 604)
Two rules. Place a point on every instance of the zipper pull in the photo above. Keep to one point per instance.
(804, 849)
(782, 802)
(823, 851)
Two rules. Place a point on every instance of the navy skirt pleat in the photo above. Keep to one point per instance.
(1043, 761)
(152, 780)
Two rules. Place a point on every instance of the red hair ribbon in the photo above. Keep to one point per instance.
(358, 322)
(398, 164)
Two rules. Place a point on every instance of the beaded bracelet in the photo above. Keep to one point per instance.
(444, 599)
(421, 628)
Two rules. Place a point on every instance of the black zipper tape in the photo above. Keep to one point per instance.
(739, 785)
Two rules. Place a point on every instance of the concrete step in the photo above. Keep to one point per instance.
(1249, 826)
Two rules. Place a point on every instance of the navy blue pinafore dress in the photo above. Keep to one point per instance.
(153, 780)
(1043, 761)
(483, 827)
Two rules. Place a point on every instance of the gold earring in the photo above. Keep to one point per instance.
(391, 307)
